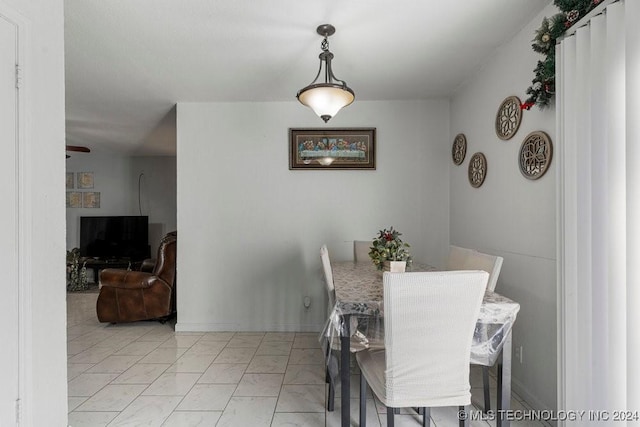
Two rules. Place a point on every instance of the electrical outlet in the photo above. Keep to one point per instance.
(518, 354)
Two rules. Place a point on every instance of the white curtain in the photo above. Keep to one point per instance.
(598, 116)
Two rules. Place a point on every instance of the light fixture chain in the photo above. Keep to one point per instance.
(325, 45)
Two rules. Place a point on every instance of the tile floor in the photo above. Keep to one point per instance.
(145, 374)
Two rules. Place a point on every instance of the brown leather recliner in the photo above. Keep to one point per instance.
(128, 296)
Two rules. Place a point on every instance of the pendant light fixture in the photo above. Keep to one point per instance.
(327, 98)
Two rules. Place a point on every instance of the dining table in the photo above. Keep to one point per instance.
(359, 301)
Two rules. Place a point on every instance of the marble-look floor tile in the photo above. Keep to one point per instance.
(244, 341)
(74, 402)
(217, 336)
(223, 373)
(301, 398)
(92, 355)
(259, 385)
(306, 356)
(274, 348)
(172, 384)
(268, 365)
(75, 369)
(141, 373)
(138, 348)
(207, 397)
(147, 411)
(298, 419)
(181, 341)
(195, 363)
(306, 342)
(334, 417)
(235, 355)
(163, 355)
(279, 336)
(113, 397)
(91, 419)
(248, 411)
(114, 364)
(304, 374)
(212, 348)
(88, 384)
(192, 419)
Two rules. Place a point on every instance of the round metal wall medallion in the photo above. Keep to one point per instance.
(535, 156)
(508, 118)
(477, 169)
(459, 149)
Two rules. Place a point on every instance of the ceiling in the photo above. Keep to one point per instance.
(128, 62)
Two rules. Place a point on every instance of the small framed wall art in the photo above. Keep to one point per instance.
(332, 148)
(508, 118)
(70, 182)
(459, 149)
(74, 199)
(477, 170)
(85, 180)
(535, 156)
(91, 199)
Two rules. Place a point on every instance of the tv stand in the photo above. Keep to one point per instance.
(100, 264)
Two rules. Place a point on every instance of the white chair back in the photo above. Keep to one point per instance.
(470, 259)
(361, 250)
(492, 264)
(328, 275)
(429, 323)
(457, 257)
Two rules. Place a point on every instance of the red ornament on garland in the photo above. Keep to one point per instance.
(527, 105)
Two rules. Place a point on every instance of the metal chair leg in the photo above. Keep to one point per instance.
(390, 412)
(426, 417)
(485, 385)
(363, 400)
(463, 417)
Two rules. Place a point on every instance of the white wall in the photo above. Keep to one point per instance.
(251, 229)
(116, 177)
(510, 215)
(43, 384)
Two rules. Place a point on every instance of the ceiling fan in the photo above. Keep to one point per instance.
(77, 148)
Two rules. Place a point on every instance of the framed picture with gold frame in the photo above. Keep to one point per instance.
(332, 148)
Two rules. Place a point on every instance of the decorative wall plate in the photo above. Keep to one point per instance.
(459, 149)
(477, 169)
(535, 155)
(508, 118)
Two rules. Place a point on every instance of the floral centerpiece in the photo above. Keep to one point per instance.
(388, 246)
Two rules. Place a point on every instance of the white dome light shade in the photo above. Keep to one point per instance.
(326, 100)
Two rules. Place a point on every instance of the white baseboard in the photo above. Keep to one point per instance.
(239, 327)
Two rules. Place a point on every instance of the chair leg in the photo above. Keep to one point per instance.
(426, 417)
(485, 385)
(390, 412)
(363, 400)
(463, 415)
(331, 398)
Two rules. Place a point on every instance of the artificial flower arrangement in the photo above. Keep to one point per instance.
(388, 246)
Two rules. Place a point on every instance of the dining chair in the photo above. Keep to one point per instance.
(358, 341)
(470, 259)
(361, 250)
(429, 322)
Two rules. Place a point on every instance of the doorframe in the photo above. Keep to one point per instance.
(24, 216)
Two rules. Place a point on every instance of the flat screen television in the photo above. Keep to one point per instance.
(109, 237)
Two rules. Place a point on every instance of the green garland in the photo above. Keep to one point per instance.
(543, 85)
